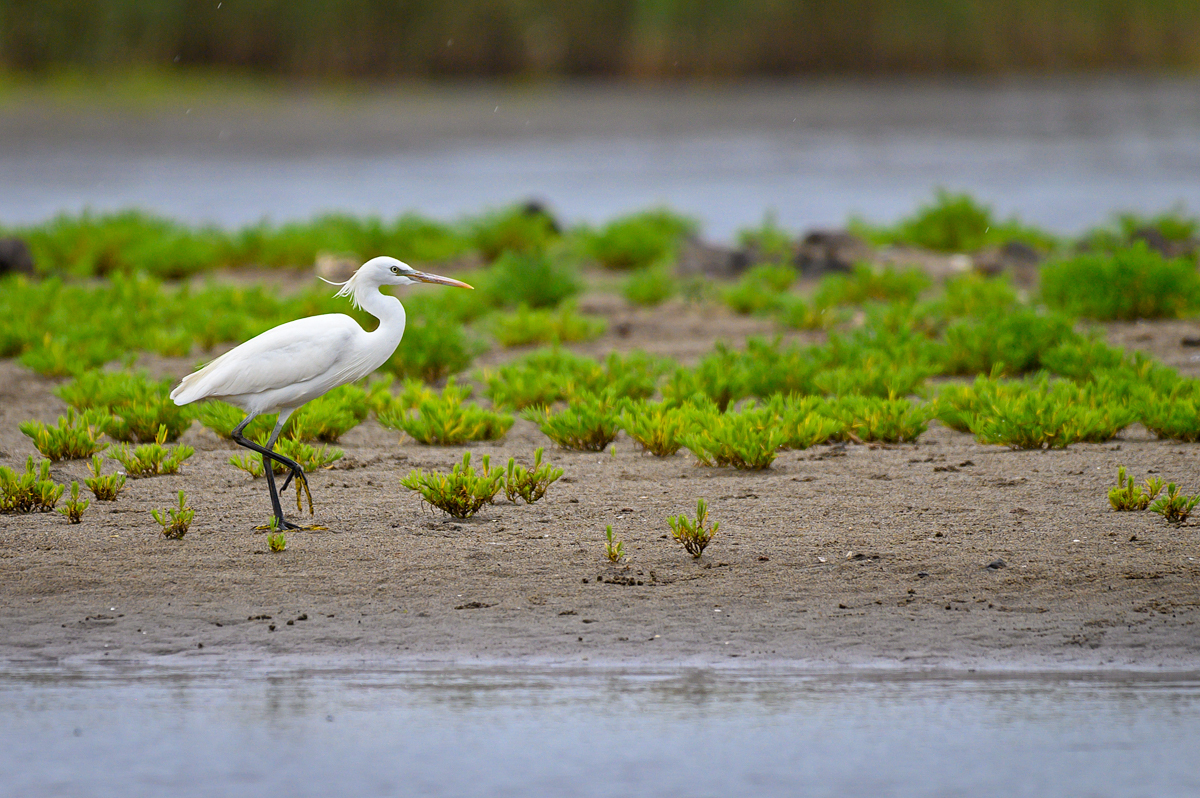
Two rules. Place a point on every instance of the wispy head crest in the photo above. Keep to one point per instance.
(347, 289)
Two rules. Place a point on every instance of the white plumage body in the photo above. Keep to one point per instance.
(294, 363)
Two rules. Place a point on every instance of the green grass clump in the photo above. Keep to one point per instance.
(73, 509)
(873, 418)
(76, 436)
(276, 542)
(1082, 359)
(658, 427)
(769, 242)
(747, 440)
(1126, 228)
(954, 223)
(446, 420)
(104, 488)
(308, 457)
(33, 491)
(432, 350)
(327, 418)
(175, 521)
(873, 377)
(462, 492)
(614, 549)
(650, 286)
(1128, 496)
(866, 283)
(804, 422)
(221, 418)
(1047, 417)
(694, 535)
(153, 459)
(512, 229)
(638, 240)
(536, 280)
(1132, 283)
(588, 423)
(564, 325)
(139, 405)
(1174, 418)
(1174, 506)
(760, 288)
(973, 294)
(546, 376)
(529, 484)
(1012, 342)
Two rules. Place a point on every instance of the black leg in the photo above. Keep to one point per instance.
(270, 457)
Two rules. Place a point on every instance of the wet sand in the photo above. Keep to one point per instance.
(860, 555)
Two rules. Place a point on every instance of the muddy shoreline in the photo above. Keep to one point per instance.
(869, 556)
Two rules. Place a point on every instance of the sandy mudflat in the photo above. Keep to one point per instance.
(858, 554)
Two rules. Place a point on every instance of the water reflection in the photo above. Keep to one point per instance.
(495, 731)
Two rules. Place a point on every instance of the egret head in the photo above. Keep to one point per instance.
(383, 271)
(389, 271)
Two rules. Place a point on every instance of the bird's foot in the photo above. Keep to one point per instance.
(301, 482)
(279, 524)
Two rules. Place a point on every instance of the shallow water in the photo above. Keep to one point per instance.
(505, 731)
(1062, 154)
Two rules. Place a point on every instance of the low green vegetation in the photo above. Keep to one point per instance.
(564, 325)
(276, 542)
(614, 549)
(75, 437)
(536, 280)
(650, 286)
(639, 240)
(1131, 283)
(139, 406)
(514, 229)
(152, 459)
(1173, 505)
(954, 223)
(104, 488)
(462, 492)
(175, 521)
(529, 484)
(327, 418)
(694, 534)
(308, 457)
(747, 440)
(447, 420)
(30, 492)
(73, 508)
(658, 427)
(1129, 496)
(588, 423)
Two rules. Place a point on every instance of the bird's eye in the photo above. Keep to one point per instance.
(395, 270)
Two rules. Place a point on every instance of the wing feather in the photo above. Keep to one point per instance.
(291, 354)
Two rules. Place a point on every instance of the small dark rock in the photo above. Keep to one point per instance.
(922, 574)
(473, 605)
(15, 257)
(1015, 258)
(700, 257)
(534, 208)
(996, 565)
(824, 251)
(1190, 342)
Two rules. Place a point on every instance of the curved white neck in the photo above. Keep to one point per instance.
(387, 309)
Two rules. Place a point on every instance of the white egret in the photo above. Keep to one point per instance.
(298, 361)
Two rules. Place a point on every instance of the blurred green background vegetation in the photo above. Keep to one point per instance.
(650, 39)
